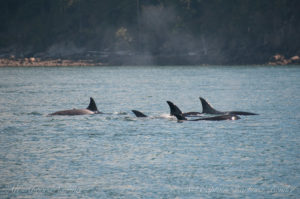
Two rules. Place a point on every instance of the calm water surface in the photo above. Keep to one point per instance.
(116, 155)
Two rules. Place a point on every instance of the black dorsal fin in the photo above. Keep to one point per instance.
(138, 113)
(92, 106)
(174, 110)
(207, 108)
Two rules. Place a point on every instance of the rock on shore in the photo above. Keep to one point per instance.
(279, 59)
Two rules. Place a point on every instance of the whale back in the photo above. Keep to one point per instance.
(180, 117)
(138, 113)
(219, 118)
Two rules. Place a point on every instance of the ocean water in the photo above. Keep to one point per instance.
(116, 155)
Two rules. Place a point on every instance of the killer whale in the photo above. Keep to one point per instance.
(175, 110)
(91, 109)
(215, 118)
(208, 109)
(181, 117)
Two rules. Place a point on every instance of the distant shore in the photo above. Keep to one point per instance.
(32, 61)
(49, 62)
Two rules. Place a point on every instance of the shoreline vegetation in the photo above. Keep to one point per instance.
(32, 61)
(156, 32)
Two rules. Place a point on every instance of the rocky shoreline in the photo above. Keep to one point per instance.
(277, 59)
(4, 62)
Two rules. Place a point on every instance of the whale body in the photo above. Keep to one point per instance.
(208, 109)
(91, 109)
(215, 118)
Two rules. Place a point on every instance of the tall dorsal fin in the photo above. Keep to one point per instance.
(174, 110)
(207, 108)
(92, 106)
(138, 113)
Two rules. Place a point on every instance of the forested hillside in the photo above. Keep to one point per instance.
(151, 31)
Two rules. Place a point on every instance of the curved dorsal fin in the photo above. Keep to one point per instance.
(92, 106)
(207, 108)
(174, 110)
(138, 113)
